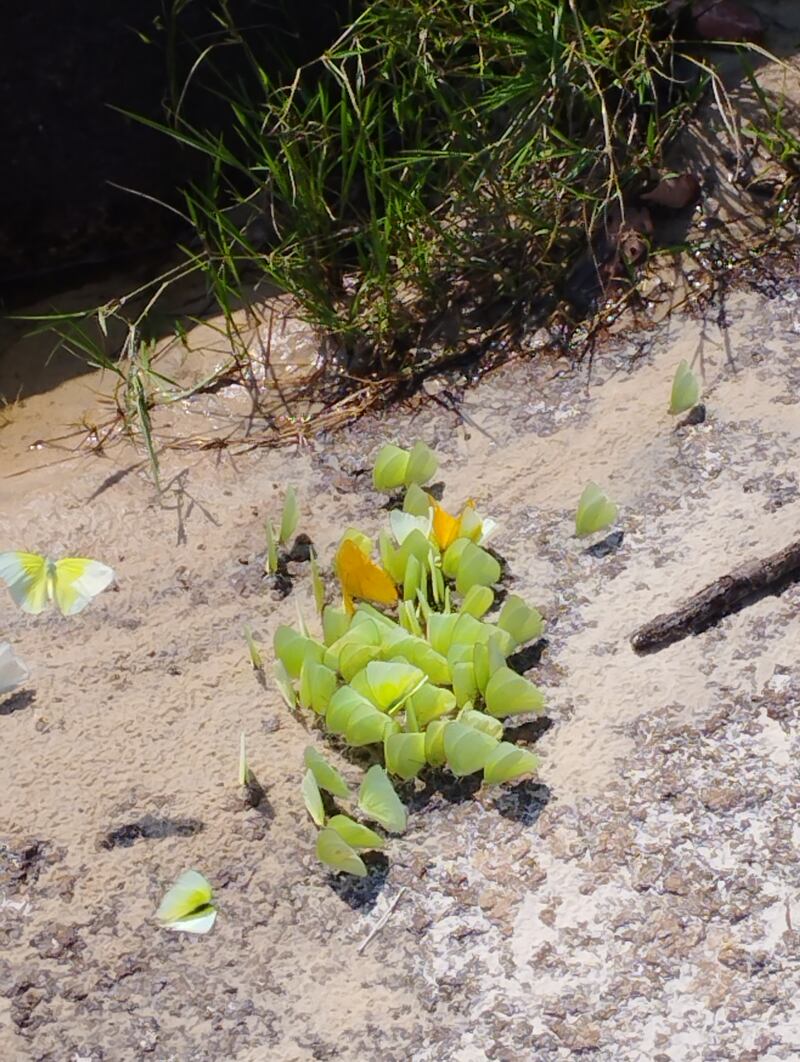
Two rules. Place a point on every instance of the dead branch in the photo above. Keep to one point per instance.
(742, 586)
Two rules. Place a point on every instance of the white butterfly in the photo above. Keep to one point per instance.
(12, 671)
(403, 524)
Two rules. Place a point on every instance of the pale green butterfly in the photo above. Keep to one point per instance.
(293, 649)
(317, 584)
(335, 624)
(244, 770)
(476, 567)
(188, 905)
(466, 749)
(419, 653)
(480, 721)
(405, 754)
(524, 624)
(440, 631)
(595, 511)
(326, 776)
(417, 501)
(357, 718)
(317, 685)
(313, 798)
(289, 517)
(34, 580)
(487, 657)
(465, 685)
(284, 684)
(256, 659)
(477, 600)
(356, 834)
(422, 464)
(413, 579)
(335, 852)
(685, 389)
(507, 762)
(12, 670)
(378, 800)
(508, 693)
(388, 683)
(430, 702)
(434, 742)
(390, 468)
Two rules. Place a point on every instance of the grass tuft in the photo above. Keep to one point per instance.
(423, 184)
(421, 189)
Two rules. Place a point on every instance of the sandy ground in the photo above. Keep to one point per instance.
(638, 901)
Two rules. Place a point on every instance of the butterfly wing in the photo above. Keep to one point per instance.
(190, 896)
(12, 670)
(595, 511)
(390, 683)
(403, 524)
(336, 853)
(77, 580)
(378, 800)
(685, 389)
(362, 577)
(312, 798)
(466, 749)
(445, 525)
(199, 921)
(26, 576)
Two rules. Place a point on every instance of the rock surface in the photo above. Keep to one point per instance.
(639, 900)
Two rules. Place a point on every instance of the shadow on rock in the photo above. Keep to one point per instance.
(18, 702)
(528, 733)
(441, 787)
(529, 657)
(361, 894)
(607, 545)
(149, 827)
(524, 802)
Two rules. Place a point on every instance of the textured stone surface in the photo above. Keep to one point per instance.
(639, 900)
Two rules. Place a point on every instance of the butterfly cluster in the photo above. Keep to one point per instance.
(426, 684)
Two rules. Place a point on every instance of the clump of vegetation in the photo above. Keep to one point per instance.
(422, 186)
(424, 182)
(425, 685)
(440, 180)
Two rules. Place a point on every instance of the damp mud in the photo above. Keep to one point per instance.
(639, 899)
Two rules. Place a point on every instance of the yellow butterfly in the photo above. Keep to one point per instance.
(445, 525)
(188, 906)
(362, 577)
(34, 580)
(447, 528)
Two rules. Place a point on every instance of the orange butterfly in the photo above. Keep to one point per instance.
(447, 527)
(360, 576)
